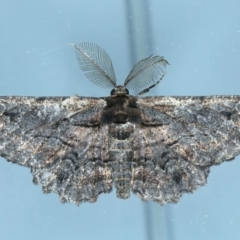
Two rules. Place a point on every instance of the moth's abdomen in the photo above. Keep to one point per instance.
(120, 156)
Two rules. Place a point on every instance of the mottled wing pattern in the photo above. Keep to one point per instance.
(60, 140)
(167, 151)
(180, 138)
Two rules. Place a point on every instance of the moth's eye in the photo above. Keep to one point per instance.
(127, 91)
(113, 92)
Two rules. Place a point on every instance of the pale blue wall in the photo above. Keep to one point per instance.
(200, 39)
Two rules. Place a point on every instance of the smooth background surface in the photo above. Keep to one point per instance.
(200, 39)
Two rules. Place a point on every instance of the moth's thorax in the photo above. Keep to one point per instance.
(121, 108)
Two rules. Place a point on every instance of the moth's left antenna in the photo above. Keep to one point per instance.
(96, 64)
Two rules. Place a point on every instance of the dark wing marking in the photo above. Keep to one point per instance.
(181, 137)
(60, 140)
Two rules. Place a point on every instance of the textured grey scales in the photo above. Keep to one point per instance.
(156, 147)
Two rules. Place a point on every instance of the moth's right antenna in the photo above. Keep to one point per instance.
(148, 89)
(146, 71)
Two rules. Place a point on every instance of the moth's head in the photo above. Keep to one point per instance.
(119, 91)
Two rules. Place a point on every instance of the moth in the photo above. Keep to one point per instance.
(156, 147)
